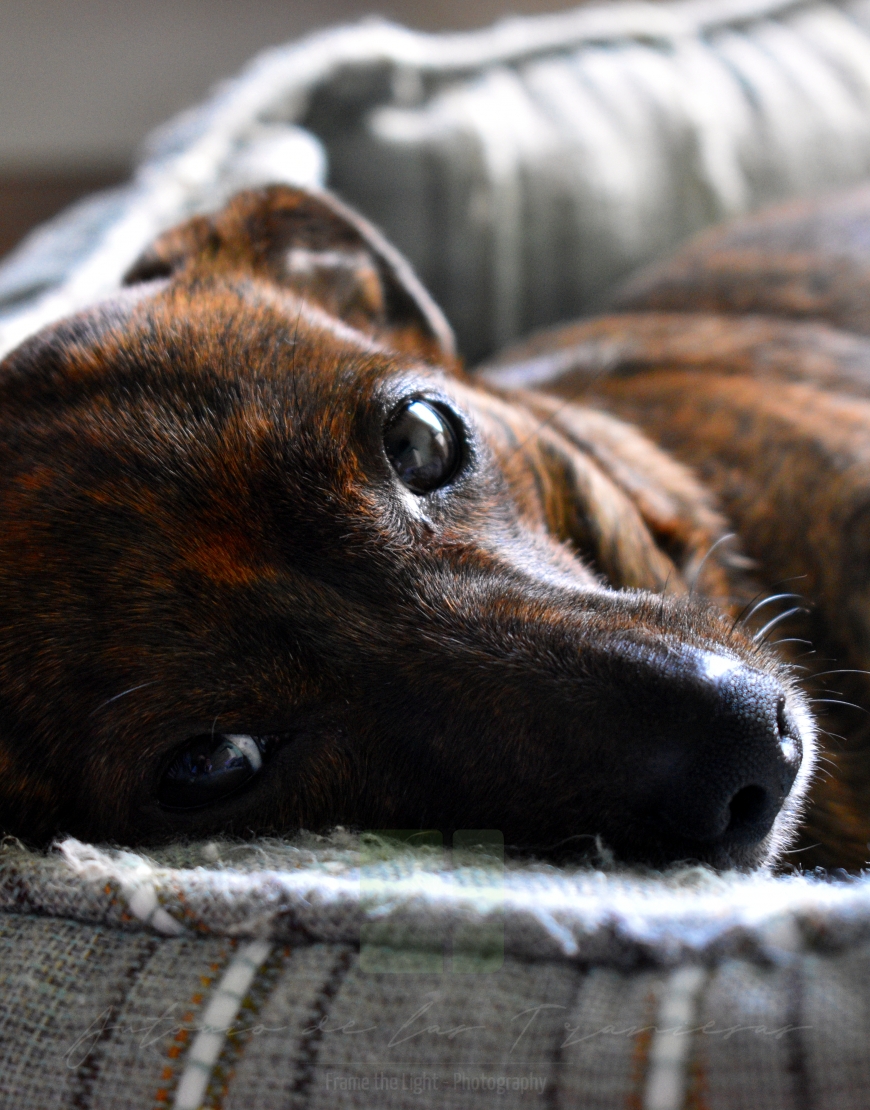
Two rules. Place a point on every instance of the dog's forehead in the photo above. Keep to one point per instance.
(181, 347)
(235, 396)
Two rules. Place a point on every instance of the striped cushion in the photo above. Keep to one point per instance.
(523, 169)
(323, 973)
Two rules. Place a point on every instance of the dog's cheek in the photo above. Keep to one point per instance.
(32, 802)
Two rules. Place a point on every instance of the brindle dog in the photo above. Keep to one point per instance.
(270, 559)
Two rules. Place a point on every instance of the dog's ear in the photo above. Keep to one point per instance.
(805, 259)
(314, 245)
(634, 514)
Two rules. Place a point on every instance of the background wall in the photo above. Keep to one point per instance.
(83, 81)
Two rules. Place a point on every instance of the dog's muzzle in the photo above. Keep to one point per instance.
(720, 752)
(739, 755)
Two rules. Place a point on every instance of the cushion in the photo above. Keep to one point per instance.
(348, 971)
(523, 169)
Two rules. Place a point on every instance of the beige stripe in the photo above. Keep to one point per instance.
(669, 1055)
(217, 1021)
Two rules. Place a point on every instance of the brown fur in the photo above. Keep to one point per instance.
(726, 355)
(199, 530)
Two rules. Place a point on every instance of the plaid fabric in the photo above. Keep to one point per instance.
(342, 973)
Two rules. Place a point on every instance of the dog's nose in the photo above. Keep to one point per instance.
(730, 754)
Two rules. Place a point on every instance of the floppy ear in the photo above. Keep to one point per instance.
(678, 512)
(633, 513)
(314, 245)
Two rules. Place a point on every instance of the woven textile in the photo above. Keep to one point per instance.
(322, 973)
(522, 169)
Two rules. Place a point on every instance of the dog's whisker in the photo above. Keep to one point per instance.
(759, 636)
(806, 848)
(832, 735)
(780, 582)
(117, 697)
(722, 540)
(540, 427)
(662, 597)
(739, 618)
(841, 670)
(837, 701)
(769, 601)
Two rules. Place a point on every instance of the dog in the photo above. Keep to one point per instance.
(271, 559)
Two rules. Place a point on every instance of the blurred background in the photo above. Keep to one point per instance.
(83, 81)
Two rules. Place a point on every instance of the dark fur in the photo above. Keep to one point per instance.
(199, 530)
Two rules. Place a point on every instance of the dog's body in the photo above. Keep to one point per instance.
(271, 560)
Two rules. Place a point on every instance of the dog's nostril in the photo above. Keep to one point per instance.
(747, 808)
(782, 721)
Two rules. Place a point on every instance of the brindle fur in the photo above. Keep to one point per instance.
(726, 355)
(199, 530)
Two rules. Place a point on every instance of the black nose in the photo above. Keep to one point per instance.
(724, 751)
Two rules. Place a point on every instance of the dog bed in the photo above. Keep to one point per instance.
(340, 973)
(525, 170)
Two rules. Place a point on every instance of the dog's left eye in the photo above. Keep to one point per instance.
(422, 446)
(210, 767)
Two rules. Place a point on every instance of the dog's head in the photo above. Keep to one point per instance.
(269, 561)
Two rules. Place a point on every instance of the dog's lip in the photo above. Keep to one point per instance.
(664, 848)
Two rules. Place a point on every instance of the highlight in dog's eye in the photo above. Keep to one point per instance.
(422, 447)
(209, 768)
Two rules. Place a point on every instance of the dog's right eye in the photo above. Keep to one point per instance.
(422, 446)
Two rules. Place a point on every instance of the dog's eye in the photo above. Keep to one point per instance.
(208, 768)
(422, 446)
